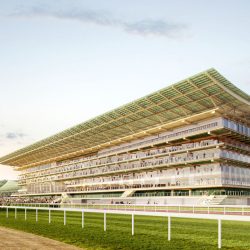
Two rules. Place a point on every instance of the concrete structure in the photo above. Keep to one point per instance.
(189, 139)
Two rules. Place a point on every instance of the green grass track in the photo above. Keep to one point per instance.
(150, 232)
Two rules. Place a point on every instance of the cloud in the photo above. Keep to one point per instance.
(14, 135)
(13, 140)
(143, 27)
(155, 27)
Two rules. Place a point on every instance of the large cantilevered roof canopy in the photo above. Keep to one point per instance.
(193, 96)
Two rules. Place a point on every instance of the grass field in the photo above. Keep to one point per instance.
(150, 232)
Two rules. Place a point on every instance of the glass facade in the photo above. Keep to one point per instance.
(172, 160)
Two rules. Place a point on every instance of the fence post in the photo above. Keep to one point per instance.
(133, 224)
(25, 213)
(219, 233)
(36, 215)
(49, 216)
(82, 218)
(105, 220)
(169, 228)
(7, 212)
(15, 212)
(64, 221)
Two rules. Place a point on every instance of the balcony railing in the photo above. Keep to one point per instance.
(128, 158)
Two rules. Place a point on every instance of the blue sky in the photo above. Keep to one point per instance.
(63, 62)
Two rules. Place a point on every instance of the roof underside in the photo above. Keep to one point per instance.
(205, 91)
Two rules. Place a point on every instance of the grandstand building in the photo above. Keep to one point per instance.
(182, 144)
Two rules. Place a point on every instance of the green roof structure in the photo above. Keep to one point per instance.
(2, 182)
(9, 187)
(198, 95)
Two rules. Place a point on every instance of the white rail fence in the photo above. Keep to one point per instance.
(195, 209)
(169, 215)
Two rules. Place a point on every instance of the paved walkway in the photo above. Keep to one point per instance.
(11, 239)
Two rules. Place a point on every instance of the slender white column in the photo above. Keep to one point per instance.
(105, 222)
(219, 233)
(133, 224)
(169, 228)
(49, 216)
(82, 218)
(64, 221)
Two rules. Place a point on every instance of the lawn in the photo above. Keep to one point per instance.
(150, 232)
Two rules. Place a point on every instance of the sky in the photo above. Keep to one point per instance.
(63, 62)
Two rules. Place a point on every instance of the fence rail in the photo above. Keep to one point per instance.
(169, 215)
(212, 209)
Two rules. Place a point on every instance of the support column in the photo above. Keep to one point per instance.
(133, 224)
(169, 228)
(64, 220)
(82, 218)
(49, 216)
(105, 220)
(219, 233)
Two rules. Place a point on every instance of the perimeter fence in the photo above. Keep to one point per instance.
(133, 210)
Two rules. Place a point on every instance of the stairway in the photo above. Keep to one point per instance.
(212, 200)
(128, 193)
(217, 200)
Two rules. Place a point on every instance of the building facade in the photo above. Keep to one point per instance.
(189, 139)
